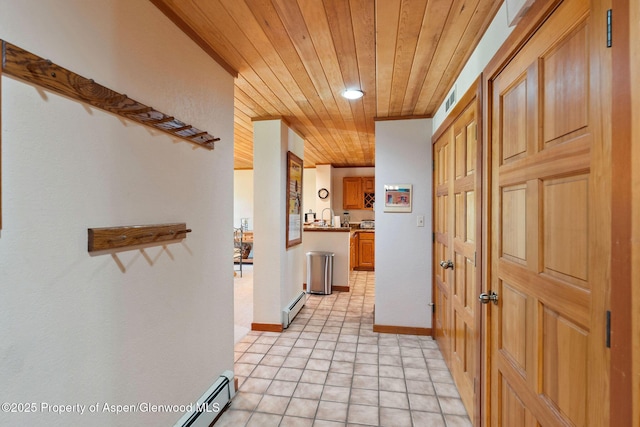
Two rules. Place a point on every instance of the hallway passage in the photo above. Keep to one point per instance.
(329, 369)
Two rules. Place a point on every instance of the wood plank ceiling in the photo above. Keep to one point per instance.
(294, 58)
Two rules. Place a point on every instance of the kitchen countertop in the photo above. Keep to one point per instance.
(325, 229)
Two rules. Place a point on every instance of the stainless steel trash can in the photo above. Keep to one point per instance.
(319, 272)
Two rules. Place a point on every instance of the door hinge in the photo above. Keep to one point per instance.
(434, 165)
(475, 255)
(433, 307)
(433, 237)
(608, 333)
(609, 28)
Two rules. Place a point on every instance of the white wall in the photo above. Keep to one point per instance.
(269, 177)
(142, 326)
(323, 180)
(403, 250)
(309, 192)
(243, 197)
(294, 274)
(277, 271)
(491, 41)
(243, 194)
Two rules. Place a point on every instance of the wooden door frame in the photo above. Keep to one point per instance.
(473, 95)
(622, 375)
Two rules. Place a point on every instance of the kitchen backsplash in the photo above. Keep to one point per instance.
(357, 215)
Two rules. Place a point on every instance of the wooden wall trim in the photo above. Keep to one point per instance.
(421, 116)
(634, 14)
(266, 327)
(402, 330)
(480, 213)
(267, 118)
(621, 407)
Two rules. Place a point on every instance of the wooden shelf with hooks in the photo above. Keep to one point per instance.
(24, 65)
(106, 238)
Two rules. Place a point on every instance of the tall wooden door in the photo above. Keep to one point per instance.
(442, 242)
(458, 194)
(550, 220)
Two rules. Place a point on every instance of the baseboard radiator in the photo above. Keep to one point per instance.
(211, 405)
(293, 309)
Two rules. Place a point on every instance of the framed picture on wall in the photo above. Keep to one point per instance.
(294, 199)
(397, 198)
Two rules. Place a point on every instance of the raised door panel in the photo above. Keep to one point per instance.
(514, 141)
(352, 197)
(566, 75)
(549, 258)
(366, 251)
(565, 228)
(369, 184)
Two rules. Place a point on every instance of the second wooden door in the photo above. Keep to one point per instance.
(456, 243)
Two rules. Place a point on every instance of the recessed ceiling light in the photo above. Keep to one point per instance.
(353, 93)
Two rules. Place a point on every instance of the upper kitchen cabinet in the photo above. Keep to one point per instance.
(369, 184)
(358, 192)
(369, 191)
(352, 193)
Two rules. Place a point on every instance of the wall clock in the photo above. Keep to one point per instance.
(323, 193)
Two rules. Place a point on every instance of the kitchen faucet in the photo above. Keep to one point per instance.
(330, 218)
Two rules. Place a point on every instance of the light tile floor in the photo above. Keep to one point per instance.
(243, 301)
(328, 369)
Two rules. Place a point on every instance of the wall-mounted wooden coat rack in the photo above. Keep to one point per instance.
(120, 237)
(26, 66)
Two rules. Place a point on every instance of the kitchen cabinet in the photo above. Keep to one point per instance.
(369, 184)
(358, 192)
(366, 251)
(362, 251)
(353, 251)
(352, 195)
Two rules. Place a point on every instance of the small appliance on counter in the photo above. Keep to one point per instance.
(309, 216)
(345, 219)
(368, 224)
